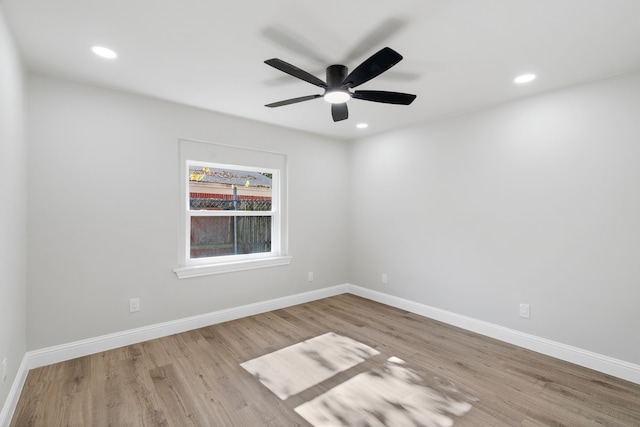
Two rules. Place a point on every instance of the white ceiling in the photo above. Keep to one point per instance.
(459, 55)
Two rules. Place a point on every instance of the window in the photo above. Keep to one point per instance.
(231, 210)
(232, 214)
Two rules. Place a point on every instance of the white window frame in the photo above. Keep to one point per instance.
(195, 267)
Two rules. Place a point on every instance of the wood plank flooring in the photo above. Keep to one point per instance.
(195, 378)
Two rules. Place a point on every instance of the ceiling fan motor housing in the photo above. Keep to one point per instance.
(335, 76)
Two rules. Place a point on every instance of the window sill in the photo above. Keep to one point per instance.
(229, 267)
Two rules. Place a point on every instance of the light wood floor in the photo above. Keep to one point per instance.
(194, 378)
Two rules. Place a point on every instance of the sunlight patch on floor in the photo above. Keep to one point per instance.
(390, 395)
(296, 368)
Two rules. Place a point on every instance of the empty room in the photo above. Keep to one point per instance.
(356, 213)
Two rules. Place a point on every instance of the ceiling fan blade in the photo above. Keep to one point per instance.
(385, 97)
(375, 65)
(339, 112)
(293, 101)
(295, 72)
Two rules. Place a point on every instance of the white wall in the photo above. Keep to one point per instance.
(531, 202)
(103, 223)
(13, 207)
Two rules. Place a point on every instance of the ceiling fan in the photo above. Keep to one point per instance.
(339, 84)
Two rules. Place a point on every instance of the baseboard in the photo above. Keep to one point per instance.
(60, 353)
(46, 356)
(608, 365)
(9, 407)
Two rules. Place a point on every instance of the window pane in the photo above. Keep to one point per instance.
(229, 189)
(229, 235)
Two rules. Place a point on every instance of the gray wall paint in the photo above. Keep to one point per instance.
(531, 202)
(13, 206)
(103, 197)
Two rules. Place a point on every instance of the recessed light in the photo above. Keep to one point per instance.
(525, 78)
(362, 125)
(104, 52)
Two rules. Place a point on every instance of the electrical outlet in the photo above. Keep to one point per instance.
(524, 310)
(134, 305)
(4, 371)
(310, 276)
(384, 279)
